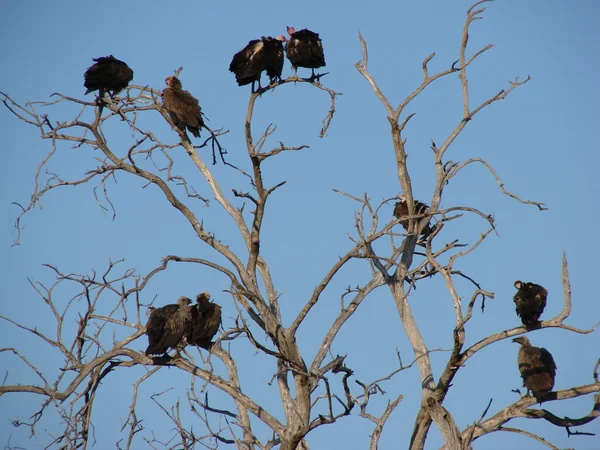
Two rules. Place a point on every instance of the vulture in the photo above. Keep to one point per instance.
(537, 368)
(401, 210)
(304, 49)
(167, 326)
(107, 75)
(205, 321)
(264, 54)
(530, 301)
(182, 106)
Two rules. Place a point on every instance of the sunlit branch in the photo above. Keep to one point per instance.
(454, 171)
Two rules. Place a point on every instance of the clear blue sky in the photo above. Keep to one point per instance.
(542, 141)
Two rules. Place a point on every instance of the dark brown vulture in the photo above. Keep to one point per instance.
(182, 106)
(205, 321)
(167, 326)
(304, 49)
(530, 301)
(264, 54)
(401, 210)
(107, 75)
(537, 368)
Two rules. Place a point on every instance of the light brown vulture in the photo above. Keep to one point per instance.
(264, 54)
(205, 321)
(530, 301)
(182, 106)
(537, 368)
(107, 75)
(167, 326)
(401, 210)
(304, 49)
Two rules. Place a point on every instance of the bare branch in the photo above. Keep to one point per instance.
(519, 409)
(461, 166)
(530, 435)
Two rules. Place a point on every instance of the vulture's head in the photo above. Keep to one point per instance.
(281, 38)
(402, 198)
(523, 340)
(173, 82)
(518, 284)
(184, 301)
(291, 30)
(204, 297)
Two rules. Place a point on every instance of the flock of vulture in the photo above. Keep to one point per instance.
(536, 364)
(303, 49)
(177, 325)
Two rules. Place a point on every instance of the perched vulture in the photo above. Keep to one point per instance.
(304, 49)
(264, 54)
(537, 368)
(167, 326)
(205, 321)
(530, 301)
(401, 210)
(182, 106)
(107, 75)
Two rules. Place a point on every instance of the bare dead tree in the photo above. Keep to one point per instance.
(111, 315)
(397, 267)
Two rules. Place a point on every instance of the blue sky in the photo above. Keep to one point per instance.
(542, 140)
